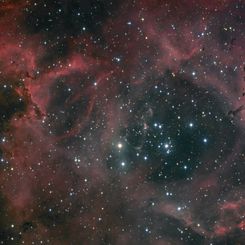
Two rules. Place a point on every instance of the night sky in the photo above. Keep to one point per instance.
(122, 122)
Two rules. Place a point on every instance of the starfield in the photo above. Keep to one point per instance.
(122, 122)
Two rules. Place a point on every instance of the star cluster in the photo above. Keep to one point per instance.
(122, 122)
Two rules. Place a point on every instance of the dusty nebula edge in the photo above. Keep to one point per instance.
(122, 122)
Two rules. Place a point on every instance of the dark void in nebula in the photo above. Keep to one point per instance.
(122, 122)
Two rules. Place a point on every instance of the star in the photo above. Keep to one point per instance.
(119, 145)
(205, 140)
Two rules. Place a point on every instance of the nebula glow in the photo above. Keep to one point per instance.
(122, 122)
